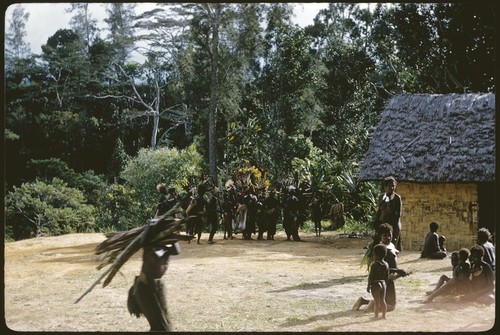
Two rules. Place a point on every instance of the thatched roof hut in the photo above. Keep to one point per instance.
(434, 138)
(437, 143)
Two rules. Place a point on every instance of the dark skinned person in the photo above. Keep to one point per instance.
(384, 232)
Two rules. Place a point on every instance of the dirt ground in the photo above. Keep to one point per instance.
(233, 285)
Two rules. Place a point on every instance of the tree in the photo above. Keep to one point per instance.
(17, 52)
(120, 21)
(83, 23)
(141, 87)
(438, 48)
(118, 161)
(284, 100)
(214, 13)
(66, 65)
(87, 182)
(16, 47)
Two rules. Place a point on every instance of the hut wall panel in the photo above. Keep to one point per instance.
(452, 205)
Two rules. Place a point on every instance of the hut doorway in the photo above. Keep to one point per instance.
(487, 206)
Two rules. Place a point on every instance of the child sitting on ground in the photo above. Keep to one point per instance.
(484, 240)
(444, 278)
(434, 244)
(377, 279)
(460, 276)
(482, 283)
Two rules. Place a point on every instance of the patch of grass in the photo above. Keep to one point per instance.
(350, 226)
(309, 227)
(356, 227)
(413, 284)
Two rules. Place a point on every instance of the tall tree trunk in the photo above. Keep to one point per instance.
(156, 116)
(212, 119)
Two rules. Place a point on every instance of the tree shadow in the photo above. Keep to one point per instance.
(357, 315)
(322, 284)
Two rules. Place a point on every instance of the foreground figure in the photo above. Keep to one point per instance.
(159, 240)
(147, 295)
(377, 279)
(384, 234)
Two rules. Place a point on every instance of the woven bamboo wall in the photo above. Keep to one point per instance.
(454, 206)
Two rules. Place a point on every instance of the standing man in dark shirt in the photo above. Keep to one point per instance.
(229, 205)
(252, 203)
(197, 209)
(316, 214)
(290, 214)
(272, 212)
(213, 214)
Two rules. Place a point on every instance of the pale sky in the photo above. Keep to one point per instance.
(46, 18)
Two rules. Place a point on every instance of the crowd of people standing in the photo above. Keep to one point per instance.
(254, 213)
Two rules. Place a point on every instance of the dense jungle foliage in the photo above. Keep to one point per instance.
(96, 120)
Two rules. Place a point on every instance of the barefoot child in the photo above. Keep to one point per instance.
(460, 277)
(377, 279)
(444, 278)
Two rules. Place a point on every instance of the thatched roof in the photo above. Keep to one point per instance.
(432, 138)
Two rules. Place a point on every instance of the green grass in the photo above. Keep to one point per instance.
(350, 226)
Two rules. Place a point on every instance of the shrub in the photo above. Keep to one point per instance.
(118, 209)
(176, 168)
(39, 208)
(87, 182)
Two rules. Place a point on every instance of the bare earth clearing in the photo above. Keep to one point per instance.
(233, 285)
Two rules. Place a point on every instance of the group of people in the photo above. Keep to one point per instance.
(247, 211)
(472, 270)
(473, 276)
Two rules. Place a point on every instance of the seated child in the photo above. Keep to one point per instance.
(377, 279)
(432, 247)
(484, 240)
(444, 278)
(482, 282)
(460, 278)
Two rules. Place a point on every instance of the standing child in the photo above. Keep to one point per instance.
(377, 279)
